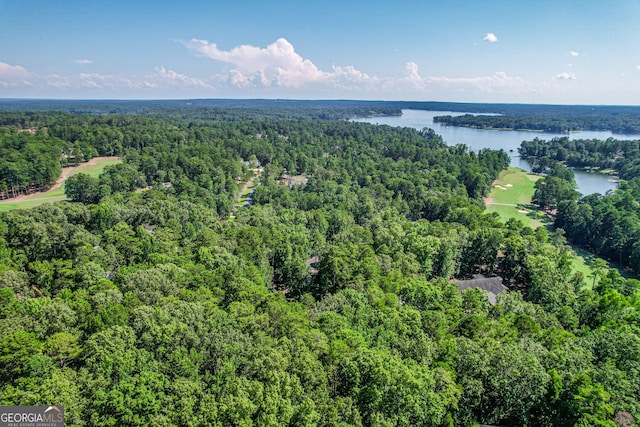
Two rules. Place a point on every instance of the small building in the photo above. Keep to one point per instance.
(492, 285)
(290, 180)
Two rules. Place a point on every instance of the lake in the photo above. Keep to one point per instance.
(509, 141)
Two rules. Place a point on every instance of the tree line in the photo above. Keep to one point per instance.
(621, 156)
(608, 225)
(627, 122)
(28, 162)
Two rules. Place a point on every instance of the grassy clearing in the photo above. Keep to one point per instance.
(514, 186)
(96, 169)
(246, 192)
(581, 262)
(57, 194)
(510, 197)
(532, 218)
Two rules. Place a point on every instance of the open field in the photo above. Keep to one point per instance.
(94, 167)
(511, 196)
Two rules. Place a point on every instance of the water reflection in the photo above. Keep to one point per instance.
(509, 141)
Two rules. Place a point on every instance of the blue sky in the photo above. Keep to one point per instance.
(563, 52)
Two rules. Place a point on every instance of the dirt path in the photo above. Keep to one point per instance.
(249, 183)
(256, 174)
(61, 179)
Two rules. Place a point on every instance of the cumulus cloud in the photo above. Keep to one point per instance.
(573, 53)
(412, 71)
(499, 82)
(278, 64)
(175, 78)
(490, 37)
(276, 70)
(412, 77)
(83, 61)
(565, 76)
(12, 74)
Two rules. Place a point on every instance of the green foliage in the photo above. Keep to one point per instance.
(607, 225)
(324, 303)
(552, 190)
(28, 161)
(82, 188)
(557, 119)
(622, 156)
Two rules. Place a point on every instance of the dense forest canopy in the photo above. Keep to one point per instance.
(621, 156)
(151, 298)
(555, 118)
(621, 120)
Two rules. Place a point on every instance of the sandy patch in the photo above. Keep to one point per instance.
(509, 185)
(523, 211)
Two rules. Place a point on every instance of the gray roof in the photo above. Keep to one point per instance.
(493, 286)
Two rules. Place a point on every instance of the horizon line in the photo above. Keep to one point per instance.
(26, 99)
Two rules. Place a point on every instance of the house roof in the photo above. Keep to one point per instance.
(492, 285)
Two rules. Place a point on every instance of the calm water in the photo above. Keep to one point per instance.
(509, 141)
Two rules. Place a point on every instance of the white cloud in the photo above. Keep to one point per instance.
(91, 81)
(490, 37)
(348, 77)
(83, 61)
(106, 81)
(56, 81)
(413, 77)
(278, 64)
(638, 67)
(565, 76)
(499, 82)
(11, 75)
(17, 76)
(175, 78)
(573, 53)
(412, 70)
(494, 83)
(275, 70)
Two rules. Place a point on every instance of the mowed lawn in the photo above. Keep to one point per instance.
(94, 169)
(511, 196)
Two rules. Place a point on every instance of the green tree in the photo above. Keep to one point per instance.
(63, 347)
(82, 188)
